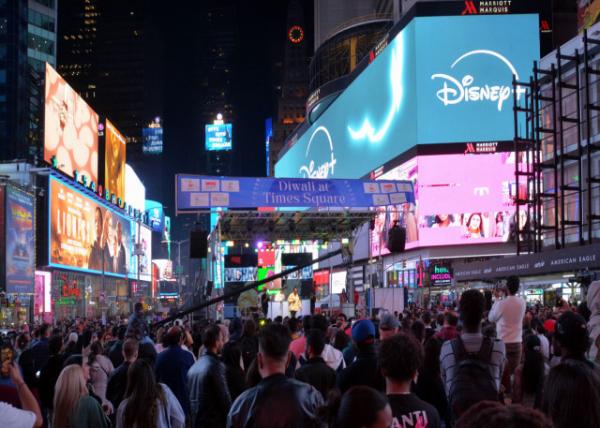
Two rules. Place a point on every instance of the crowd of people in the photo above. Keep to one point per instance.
(483, 363)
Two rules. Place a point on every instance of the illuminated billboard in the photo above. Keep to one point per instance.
(460, 199)
(70, 129)
(135, 191)
(218, 137)
(85, 234)
(20, 241)
(141, 254)
(152, 138)
(444, 79)
(156, 215)
(114, 161)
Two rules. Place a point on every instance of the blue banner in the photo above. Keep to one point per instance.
(195, 192)
(20, 242)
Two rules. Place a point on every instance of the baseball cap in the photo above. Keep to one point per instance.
(362, 329)
(388, 322)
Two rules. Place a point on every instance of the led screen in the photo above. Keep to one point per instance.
(70, 129)
(135, 191)
(240, 274)
(338, 282)
(114, 161)
(440, 80)
(218, 137)
(460, 199)
(20, 241)
(152, 138)
(85, 235)
(155, 215)
(141, 238)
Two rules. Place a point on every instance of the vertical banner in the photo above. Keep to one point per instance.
(20, 242)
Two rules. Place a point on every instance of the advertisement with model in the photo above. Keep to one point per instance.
(85, 234)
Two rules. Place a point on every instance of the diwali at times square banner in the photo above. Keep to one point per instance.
(20, 242)
(114, 161)
(85, 235)
(70, 129)
(459, 199)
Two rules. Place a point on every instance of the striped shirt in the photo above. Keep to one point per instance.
(472, 342)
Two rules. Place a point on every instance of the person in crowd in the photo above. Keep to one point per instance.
(363, 407)
(294, 326)
(40, 351)
(365, 368)
(294, 303)
(449, 330)
(277, 401)
(71, 345)
(331, 356)
(172, 366)
(264, 303)
(508, 314)
(148, 403)
(418, 330)
(388, 326)
(571, 337)
(231, 355)
(342, 324)
(29, 415)
(73, 406)
(137, 320)
(50, 372)
(530, 375)
(471, 364)
(117, 382)
(100, 370)
(492, 414)
(540, 332)
(572, 394)
(340, 340)
(429, 386)
(593, 302)
(316, 372)
(209, 395)
(429, 328)
(298, 345)
(400, 358)
(249, 342)
(115, 352)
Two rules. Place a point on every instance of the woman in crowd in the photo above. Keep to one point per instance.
(73, 406)
(148, 403)
(232, 358)
(572, 394)
(100, 369)
(249, 342)
(529, 375)
(363, 407)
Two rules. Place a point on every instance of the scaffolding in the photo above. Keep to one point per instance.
(557, 151)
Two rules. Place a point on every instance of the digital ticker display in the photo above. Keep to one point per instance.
(218, 137)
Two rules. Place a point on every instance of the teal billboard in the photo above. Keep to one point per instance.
(440, 80)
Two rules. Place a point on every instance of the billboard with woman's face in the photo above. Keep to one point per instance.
(70, 129)
(85, 234)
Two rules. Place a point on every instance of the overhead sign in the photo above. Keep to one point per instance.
(440, 80)
(218, 136)
(563, 260)
(196, 193)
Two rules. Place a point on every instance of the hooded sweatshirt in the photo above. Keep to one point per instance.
(593, 301)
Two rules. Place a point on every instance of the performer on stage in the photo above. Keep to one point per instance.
(294, 303)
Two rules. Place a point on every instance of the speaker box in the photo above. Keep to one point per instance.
(396, 239)
(198, 244)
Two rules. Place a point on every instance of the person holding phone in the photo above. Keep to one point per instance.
(30, 414)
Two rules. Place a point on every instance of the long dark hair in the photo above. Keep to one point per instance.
(533, 365)
(142, 393)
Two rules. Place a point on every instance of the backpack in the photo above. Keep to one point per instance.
(473, 381)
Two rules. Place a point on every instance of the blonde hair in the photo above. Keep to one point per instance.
(70, 387)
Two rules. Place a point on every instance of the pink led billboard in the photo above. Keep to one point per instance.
(460, 199)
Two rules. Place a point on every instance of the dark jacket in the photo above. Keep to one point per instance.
(117, 385)
(363, 371)
(40, 353)
(317, 373)
(115, 353)
(48, 377)
(277, 402)
(172, 366)
(209, 395)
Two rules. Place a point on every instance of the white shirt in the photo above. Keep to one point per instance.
(545, 345)
(15, 418)
(508, 315)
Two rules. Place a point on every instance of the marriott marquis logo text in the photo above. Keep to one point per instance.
(455, 91)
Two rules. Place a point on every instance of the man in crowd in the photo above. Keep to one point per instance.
(364, 370)
(316, 372)
(471, 365)
(449, 331)
(400, 357)
(172, 366)
(388, 326)
(508, 315)
(298, 345)
(209, 396)
(276, 401)
(117, 383)
(40, 352)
